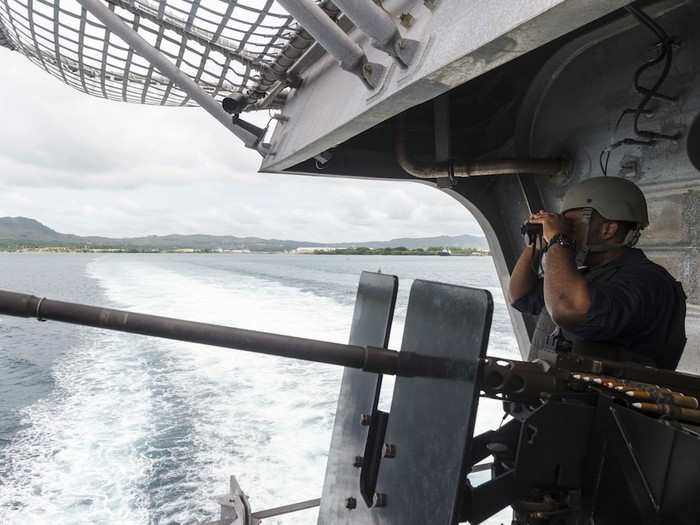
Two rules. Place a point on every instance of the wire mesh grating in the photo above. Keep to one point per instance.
(225, 46)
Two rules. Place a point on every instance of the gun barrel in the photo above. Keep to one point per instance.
(377, 360)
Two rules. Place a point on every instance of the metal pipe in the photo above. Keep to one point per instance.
(149, 10)
(115, 24)
(286, 509)
(369, 359)
(5, 40)
(376, 23)
(477, 168)
(327, 33)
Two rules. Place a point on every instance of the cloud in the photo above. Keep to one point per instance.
(94, 167)
(69, 139)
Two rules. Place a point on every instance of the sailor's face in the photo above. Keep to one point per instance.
(577, 225)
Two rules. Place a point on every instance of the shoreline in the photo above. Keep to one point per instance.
(188, 251)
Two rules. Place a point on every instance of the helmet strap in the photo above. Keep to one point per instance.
(583, 250)
(630, 240)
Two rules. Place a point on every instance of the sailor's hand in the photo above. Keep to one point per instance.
(552, 223)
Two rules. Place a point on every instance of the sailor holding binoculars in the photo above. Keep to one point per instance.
(597, 295)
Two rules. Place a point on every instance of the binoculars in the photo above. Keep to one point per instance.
(533, 231)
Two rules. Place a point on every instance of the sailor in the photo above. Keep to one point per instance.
(597, 295)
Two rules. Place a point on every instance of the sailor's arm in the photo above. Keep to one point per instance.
(523, 279)
(566, 294)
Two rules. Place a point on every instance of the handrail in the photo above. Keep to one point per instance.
(287, 509)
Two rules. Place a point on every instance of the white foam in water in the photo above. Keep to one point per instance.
(78, 461)
(142, 430)
(265, 419)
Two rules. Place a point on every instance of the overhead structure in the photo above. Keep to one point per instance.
(224, 47)
(380, 26)
(348, 54)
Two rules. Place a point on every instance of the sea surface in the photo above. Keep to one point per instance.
(100, 427)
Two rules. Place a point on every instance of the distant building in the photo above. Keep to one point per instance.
(312, 249)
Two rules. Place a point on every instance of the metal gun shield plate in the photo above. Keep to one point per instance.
(431, 422)
(359, 391)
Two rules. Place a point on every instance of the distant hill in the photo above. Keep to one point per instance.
(23, 229)
(458, 241)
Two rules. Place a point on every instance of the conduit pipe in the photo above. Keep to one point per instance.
(332, 38)
(476, 168)
(376, 23)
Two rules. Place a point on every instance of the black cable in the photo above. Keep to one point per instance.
(648, 21)
(604, 166)
(537, 255)
(534, 262)
(624, 142)
(666, 56)
(647, 98)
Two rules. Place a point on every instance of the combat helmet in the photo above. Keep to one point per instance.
(614, 198)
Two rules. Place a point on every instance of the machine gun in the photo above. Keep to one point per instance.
(590, 441)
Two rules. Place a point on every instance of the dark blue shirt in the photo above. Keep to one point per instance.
(632, 305)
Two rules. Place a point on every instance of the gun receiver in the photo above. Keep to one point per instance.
(533, 382)
(581, 432)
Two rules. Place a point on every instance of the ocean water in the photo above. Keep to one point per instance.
(100, 427)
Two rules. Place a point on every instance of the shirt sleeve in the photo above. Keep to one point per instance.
(533, 302)
(615, 309)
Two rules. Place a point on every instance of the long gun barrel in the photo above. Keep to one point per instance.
(370, 359)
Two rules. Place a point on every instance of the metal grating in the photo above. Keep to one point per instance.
(225, 46)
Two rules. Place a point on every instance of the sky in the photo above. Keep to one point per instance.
(88, 166)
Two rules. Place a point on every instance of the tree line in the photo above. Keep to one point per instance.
(401, 250)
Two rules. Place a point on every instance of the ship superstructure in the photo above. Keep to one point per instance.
(503, 105)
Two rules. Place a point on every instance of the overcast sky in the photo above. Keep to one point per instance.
(88, 166)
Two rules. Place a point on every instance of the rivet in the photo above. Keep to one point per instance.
(389, 450)
(406, 20)
(358, 461)
(350, 503)
(380, 500)
(365, 419)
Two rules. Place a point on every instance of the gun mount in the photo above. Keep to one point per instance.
(590, 441)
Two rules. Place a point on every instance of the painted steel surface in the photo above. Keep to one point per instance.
(359, 391)
(459, 41)
(432, 420)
